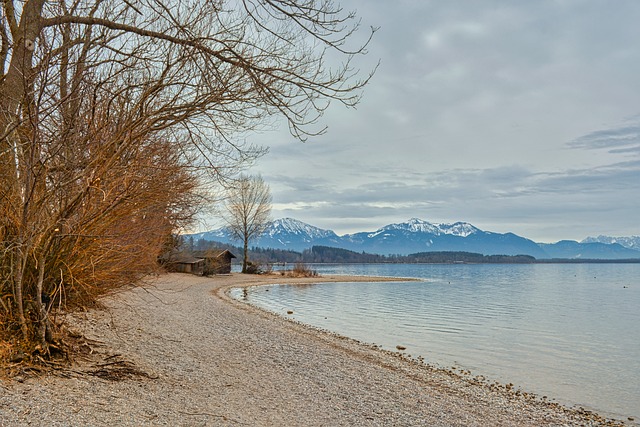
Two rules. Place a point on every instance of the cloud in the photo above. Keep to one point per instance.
(625, 139)
(509, 115)
(500, 199)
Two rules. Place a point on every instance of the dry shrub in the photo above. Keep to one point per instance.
(108, 115)
(96, 220)
(300, 269)
(6, 349)
(258, 268)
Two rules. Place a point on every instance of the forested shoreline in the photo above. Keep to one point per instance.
(326, 254)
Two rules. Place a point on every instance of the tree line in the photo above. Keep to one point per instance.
(327, 254)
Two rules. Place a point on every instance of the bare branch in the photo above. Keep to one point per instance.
(117, 118)
(10, 14)
(4, 48)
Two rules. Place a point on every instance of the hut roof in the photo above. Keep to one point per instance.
(186, 259)
(181, 258)
(214, 254)
(226, 252)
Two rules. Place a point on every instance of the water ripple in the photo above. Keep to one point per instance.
(560, 330)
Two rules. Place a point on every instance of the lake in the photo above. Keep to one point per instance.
(566, 331)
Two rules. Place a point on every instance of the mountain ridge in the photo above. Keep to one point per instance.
(631, 242)
(417, 235)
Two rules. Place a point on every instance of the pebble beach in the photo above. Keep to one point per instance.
(179, 351)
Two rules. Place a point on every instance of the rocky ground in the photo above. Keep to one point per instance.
(180, 352)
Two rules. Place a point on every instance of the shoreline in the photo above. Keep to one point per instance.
(187, 353)
(462, 374)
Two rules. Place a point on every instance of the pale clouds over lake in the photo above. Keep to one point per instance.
(518, 116)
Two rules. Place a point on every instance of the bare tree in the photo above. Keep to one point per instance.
(248, 211)
(112, 112)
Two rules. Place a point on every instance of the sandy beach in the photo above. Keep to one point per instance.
(180, 352)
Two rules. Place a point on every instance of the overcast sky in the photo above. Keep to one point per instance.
(515, 116)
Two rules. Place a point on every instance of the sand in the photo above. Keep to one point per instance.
(180, 352)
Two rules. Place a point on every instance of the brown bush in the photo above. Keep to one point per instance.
(300, 269)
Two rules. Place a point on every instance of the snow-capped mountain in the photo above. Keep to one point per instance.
(412, 236)
(416, 235)
(289, 233)
(284, 233)
(631, 242)
(593, 250)
(416, 225)
(298, 228)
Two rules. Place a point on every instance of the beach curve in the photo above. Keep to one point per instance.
(203, 358)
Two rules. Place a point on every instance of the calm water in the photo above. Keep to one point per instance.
(570, 332)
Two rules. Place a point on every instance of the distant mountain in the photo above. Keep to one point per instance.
(632, 242)
(285, 233)
(289, 233)
(574, 250)
(416, 235)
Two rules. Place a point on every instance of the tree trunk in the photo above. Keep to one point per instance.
(40, 307)
(15, 87)
(18, 79)
(245, 255)
(18, 282)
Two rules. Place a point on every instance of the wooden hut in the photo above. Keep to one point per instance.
(202, 263)
(216, 262)
(180, 262)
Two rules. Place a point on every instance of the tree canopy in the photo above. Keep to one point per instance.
(114, 114)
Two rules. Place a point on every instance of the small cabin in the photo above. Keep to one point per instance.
(184, 263)
(202, 263)
(216, 262)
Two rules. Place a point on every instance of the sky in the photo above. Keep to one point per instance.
(514, 116)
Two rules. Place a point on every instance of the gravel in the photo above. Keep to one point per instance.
(180, 352)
